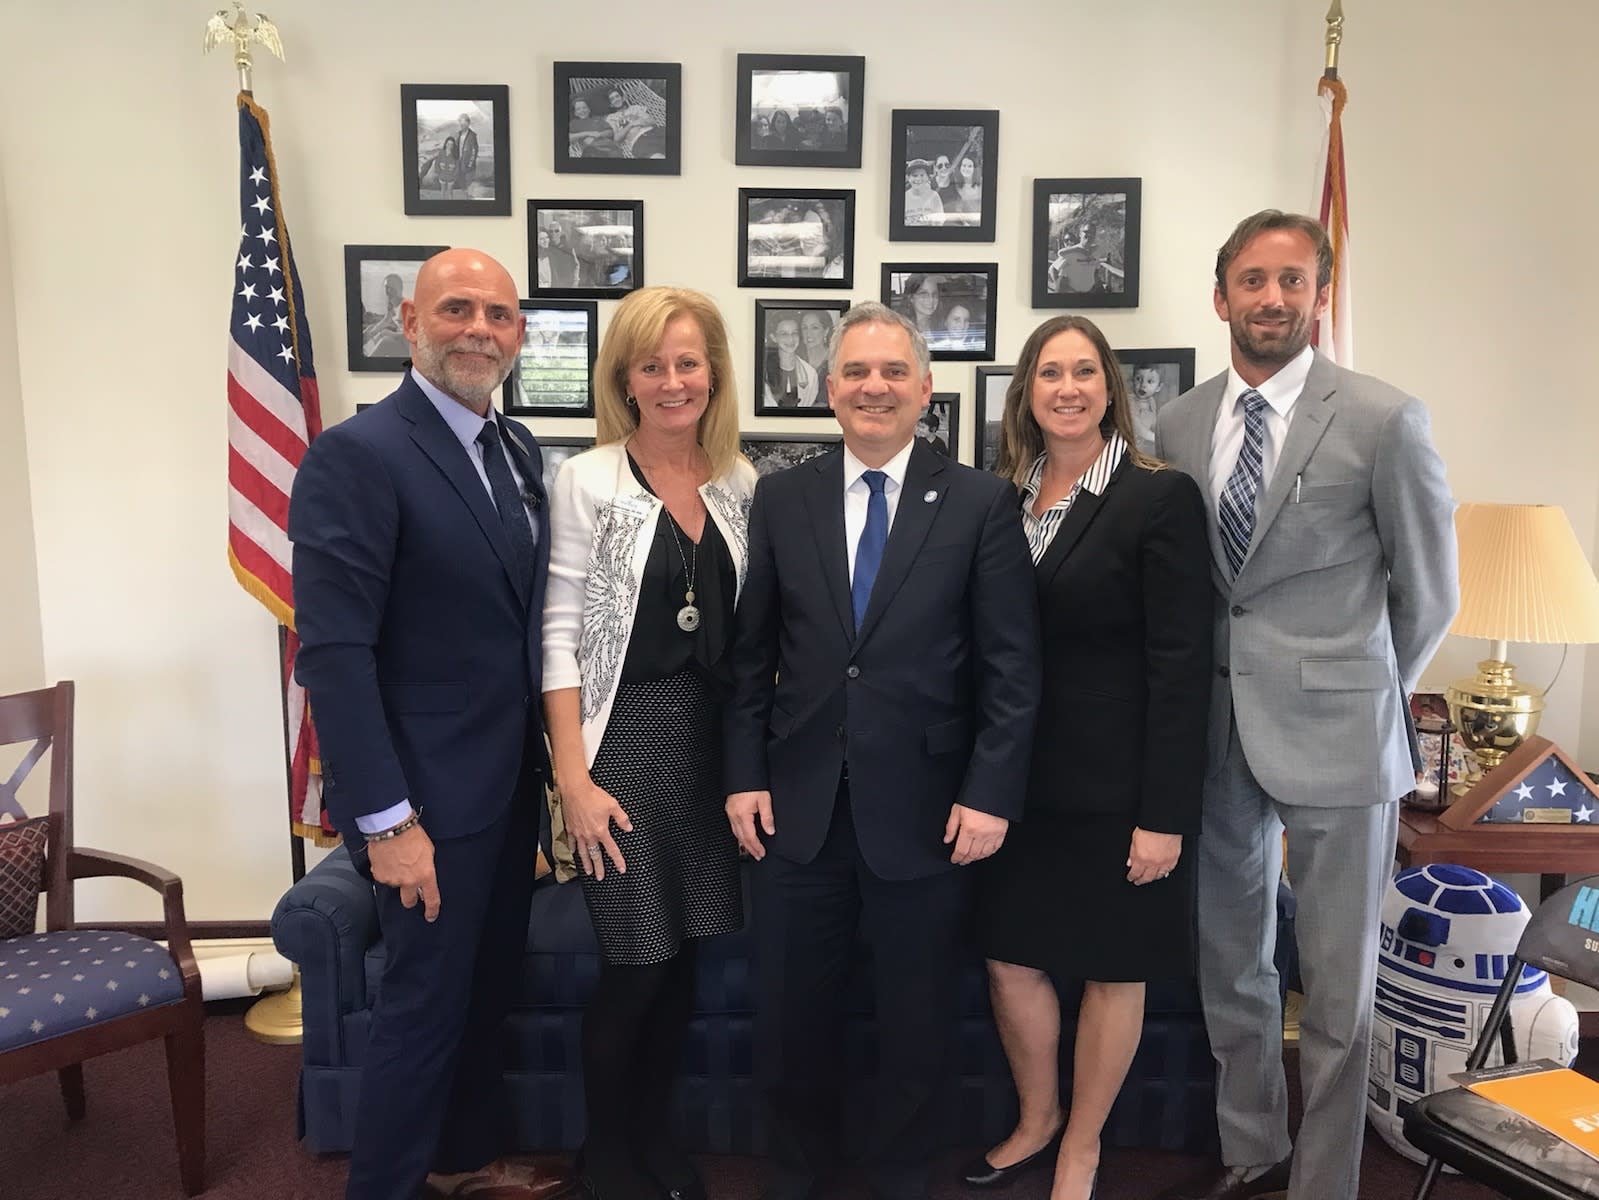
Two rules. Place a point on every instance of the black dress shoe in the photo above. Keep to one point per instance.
(1222, 1183)
(980, 1173)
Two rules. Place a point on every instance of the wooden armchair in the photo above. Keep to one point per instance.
(69, 994)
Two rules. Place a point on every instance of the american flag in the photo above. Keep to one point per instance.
(1335, 332)
(273, 413)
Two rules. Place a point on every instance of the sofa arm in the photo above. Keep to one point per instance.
(325, 924)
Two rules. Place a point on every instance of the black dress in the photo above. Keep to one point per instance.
(661, 757)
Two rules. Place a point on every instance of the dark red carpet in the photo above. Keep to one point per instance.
(124, 1149)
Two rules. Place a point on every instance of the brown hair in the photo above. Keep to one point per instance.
(1272, 218)
(635, 330)
(1021, 441)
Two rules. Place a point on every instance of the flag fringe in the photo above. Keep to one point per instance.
(1336, 218)
(260, 591)
(315, 834)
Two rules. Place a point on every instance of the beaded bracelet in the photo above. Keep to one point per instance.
(404, 826)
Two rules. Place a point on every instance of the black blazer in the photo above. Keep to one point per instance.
(420, 652)
(1125, 596)
(931, 703)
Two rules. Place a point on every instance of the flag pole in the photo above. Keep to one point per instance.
(1335, 38)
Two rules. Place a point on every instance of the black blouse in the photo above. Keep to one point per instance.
(658, 647)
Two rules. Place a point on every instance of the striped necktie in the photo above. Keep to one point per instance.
(1236, 510)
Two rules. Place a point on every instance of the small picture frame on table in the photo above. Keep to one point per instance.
(943, 170)
(456, 146)
(618, 118)
(799, 110)
(951, 303)
(1085, 242)
(791, 364)
(796, 237)
(585, 249)
(377, 279)
(554, 372)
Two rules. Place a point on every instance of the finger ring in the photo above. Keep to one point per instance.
(594, 851)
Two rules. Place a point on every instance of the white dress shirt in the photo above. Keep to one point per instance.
(1281, 393)
(856, 494)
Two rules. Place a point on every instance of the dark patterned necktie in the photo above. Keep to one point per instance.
(869, 550)
(1236, 510)
(508, 500)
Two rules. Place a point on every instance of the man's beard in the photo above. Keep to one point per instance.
(1272, 351)
(472, 384)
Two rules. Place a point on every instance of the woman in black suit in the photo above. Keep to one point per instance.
(1094, 886)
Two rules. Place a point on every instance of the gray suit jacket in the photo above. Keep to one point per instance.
(1349, 586)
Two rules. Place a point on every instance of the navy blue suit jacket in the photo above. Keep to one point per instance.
(930, 703)
(419, 649)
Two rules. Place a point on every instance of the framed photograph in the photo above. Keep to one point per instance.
(791, 356)
(796, 237)
(585, 249)
(456, 149)
(943, 165)
(951, 303)
(554, 372)
(618, 118)
(376, 280)
(799, 110)
(989, 398)
(556, 450)
(1154, 379)
(774, 452)
(939, 424)
(1085, 242)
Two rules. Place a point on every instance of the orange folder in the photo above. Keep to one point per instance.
(1555, 1097)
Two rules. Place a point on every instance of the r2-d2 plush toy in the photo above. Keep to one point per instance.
(1448, 934)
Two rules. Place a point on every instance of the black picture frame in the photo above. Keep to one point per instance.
(425, 113)
(555, 449)
(577, 261)
(1098, 267)
(935, 138)
(770, 453)
(811, 139)
(973, 287)
(809, 380)
(649, 144)
(822, 250)
(556, 347)
(1172, 367)
(375, 340)
(988, 411)
(940, 424)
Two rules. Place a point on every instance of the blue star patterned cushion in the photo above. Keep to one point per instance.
(56, 983)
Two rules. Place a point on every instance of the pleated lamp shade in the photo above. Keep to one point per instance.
(1523, 576)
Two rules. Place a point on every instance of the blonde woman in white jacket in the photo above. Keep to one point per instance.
(648, 541)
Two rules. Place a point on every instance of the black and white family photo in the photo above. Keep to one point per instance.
(799, 111)
(948, 302)
(774, 452)
(1085, 243)
(1154, 379)
(618, 118)
(944, 164)
(555, 369)
(804, 237)
(457, 149)
(791, 355)
(992, 383)
(582, 251)
(938, 425)
(376, 280)
(556, 450)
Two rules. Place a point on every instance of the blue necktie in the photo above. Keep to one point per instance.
(869, 550)
(1236, 510)
(508, 500)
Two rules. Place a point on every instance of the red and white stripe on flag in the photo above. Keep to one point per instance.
(273, 413)
(1335, 333)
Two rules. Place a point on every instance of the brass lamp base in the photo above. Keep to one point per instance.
(275, 1019)
(1494, 713)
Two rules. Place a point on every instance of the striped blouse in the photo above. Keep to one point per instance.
(1041, 530)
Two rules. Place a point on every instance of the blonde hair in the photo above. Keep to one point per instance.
(636, 329)
(1021, 441)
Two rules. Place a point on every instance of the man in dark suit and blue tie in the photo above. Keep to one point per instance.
(887, 675)
(421, 539)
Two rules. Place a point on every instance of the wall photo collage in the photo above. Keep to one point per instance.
(800, 111)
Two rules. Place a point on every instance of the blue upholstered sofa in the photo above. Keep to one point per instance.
(327, 923)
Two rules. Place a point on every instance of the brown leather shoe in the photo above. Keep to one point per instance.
(1226, 1183)
(519, 1179)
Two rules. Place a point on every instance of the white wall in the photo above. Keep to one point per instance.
(1471, 206)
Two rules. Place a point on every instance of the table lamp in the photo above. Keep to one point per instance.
(1523, 578)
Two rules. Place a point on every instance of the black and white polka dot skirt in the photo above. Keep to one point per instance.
(661, 757)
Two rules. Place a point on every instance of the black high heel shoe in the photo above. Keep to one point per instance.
(980, 1173)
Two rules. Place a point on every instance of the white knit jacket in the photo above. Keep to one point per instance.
(602, 523)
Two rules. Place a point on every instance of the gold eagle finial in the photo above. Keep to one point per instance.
(242, 29)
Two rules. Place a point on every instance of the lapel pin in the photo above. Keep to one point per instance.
(929, 497)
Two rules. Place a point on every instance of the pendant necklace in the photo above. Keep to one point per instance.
(688, 617)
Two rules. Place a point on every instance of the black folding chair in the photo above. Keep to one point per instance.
(1486, 1141)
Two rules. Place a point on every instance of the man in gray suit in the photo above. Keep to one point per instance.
(1331, 529)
